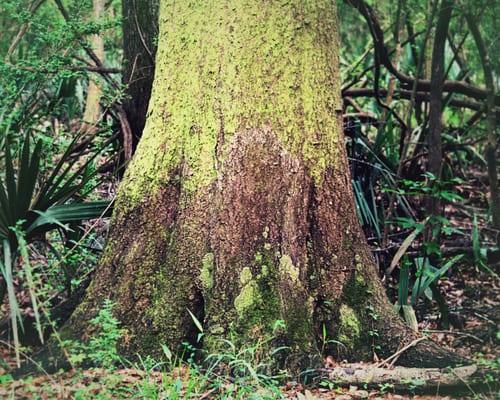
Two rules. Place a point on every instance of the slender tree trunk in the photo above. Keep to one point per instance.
(436, 95)
(92, 113)
(491, 147)
(237, 206)
(140, 33)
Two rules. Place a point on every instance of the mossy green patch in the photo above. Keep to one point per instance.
(257, 305)
(287, 268)
(358, 274)
(349, 330)
(206, 273)
(247, 299)
(245, 275)
(225, 68)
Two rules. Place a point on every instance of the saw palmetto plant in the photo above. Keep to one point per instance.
(31, 205)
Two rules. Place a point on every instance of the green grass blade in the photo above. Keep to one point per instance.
(63, 187)
(5, 216)
(404, 275)
(28, 273)
(410, 317)
(15, 312)
(10, 181)
(50, 182)
(28, 173)
(405, 245)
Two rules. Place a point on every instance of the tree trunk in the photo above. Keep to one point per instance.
(237, 205)
(92, 113)
(140, 33)
(492, 145)
(435, 147)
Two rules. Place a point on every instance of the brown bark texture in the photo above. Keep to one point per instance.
(140, 34)
(92, 112)
(491, 151)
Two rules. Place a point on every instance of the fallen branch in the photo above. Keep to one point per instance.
(422, 380)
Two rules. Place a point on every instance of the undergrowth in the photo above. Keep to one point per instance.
(234, 372)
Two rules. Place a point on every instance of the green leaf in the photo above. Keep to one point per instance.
(28, 273)
(15, 312)
(64, 213)
(404, 246)
(28, 175)
(167, 352)
(195, 320)
(404, 274)
(10, 182)
(410, 317)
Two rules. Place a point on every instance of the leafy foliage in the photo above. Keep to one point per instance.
(43, 205)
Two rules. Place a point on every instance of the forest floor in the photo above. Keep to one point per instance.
(473, 298)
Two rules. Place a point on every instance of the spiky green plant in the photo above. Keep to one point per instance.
(41, 204)
(30, 207)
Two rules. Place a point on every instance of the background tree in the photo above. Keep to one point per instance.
(140, 31)
(92, 112)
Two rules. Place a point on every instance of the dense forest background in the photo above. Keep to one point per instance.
(419, 84)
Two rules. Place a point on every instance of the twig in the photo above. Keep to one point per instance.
(457, 333)
(208, 394)
(127, 133)
(141, 36)
(492, 145)
(396, 355)
(419, 96)
(406, 134)
(24, 28)
(89, 68)
(88, 50)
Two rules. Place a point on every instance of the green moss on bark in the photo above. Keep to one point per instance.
(349, 331)
(207, 271)
(227, 67)
(257, 304)
(288, 270)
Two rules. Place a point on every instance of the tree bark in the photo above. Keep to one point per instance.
(492, 145)
(92, 112)
(434, 140)
(436, 95)
(140, 33)
(237, 206)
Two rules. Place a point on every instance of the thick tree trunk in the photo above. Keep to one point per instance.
(237, 205)
(140, 34)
